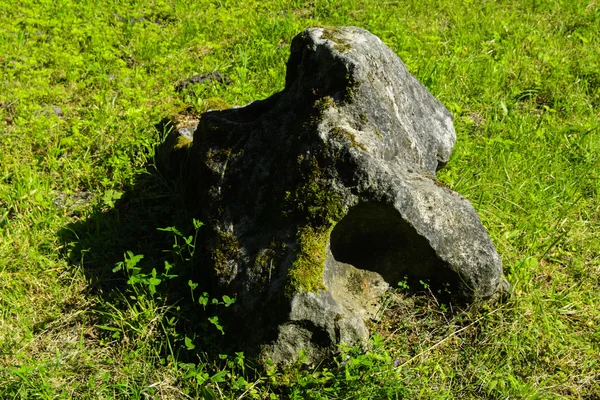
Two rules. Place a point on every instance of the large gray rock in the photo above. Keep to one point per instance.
(322, 196)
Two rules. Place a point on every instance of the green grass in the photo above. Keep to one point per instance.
(78, 190)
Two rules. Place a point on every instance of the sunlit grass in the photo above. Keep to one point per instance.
(82, 86)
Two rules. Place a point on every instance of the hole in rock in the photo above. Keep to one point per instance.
(375, 237)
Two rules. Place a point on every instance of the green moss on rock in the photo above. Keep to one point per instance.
(182, 143)
(351, 87)
(228, 248)
(334, 35)
(268, 258)
(215, 103)
(349, 136)
(313, 201)
(363, 118)
(306, 272)
(319, 207)
(324, 103)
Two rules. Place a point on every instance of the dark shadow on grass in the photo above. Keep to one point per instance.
(136, 224)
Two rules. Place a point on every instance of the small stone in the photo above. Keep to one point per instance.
(212, 76)
(56, 110)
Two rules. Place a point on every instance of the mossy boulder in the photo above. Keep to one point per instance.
(322, 196)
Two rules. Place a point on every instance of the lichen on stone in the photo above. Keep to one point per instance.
(357, 282)
(323, 104)
(267, 259)
(351, 85)
(215, 159)
(338, 132)
(334, 35)
(218, 155)
(363, 118)
(227, 249)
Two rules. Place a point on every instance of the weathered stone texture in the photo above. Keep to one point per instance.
(323, 195)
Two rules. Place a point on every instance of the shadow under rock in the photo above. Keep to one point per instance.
(137, 224)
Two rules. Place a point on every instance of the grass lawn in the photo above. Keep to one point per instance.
(83, 86)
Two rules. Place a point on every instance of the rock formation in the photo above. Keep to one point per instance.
(322, 196)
